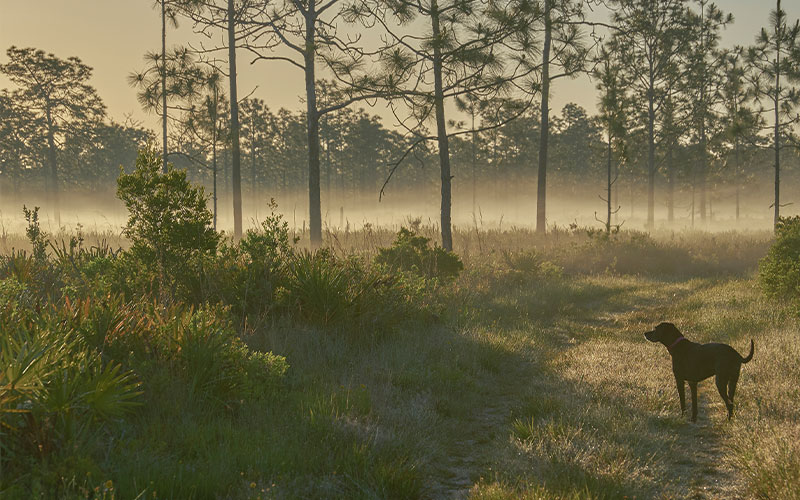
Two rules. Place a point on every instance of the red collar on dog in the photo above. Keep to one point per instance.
(669, 348)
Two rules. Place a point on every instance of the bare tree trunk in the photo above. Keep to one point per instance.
(254, 206)
(670, 187)
(541, 188)
(474, 162)
(703, 171)
(736, 178)
(328, 168)
(651, 157)
(441, 131)
(164, 84)
(312, 117)
(616, 193)
(214, 155)
(52, 159)
(777, 215)
(608, 186)
(236, 159)
(632, 199)
(693, 198)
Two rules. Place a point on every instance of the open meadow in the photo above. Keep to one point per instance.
(373, 370)
(399, 249)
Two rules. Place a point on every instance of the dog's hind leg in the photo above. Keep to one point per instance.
(722, 387)
(732, 387)
(682, 394)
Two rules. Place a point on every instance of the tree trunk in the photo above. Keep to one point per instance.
(703, 134)
(736, 178)
(703, 170)
(253, 205)
(632, 198)
(474, 163)
(214, 154)
(670, 187)
(651, 156)
(541, 188)
(328, 167)
(441, 130)
(616, 193)
(164, 84)
(236, 160)
(608, 186)
(312, 120)
(777, 214)
(52, 159)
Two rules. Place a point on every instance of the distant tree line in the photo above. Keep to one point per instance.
(676, 111)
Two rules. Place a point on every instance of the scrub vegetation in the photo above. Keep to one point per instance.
(189, 365)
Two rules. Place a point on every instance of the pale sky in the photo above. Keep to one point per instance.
(112, 36)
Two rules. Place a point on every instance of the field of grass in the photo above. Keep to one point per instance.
(542, 386)
(527, 376)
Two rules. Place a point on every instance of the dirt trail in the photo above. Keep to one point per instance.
(697, 451)
(698, 471)
(468, 457)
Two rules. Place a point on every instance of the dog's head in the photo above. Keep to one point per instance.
(666, 333)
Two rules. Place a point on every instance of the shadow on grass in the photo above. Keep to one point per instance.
(428, 411)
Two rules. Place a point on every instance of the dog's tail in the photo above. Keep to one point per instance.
(749, 356)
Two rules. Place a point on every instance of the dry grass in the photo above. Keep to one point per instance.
(603, 419)
(534, 382)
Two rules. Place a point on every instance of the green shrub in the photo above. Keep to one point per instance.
(779, 271)
(35, 234)
(246, 275)
(169, 226)
(327, 291)
(218, 365)
(412, 253)
(319, 288)
(56, 393)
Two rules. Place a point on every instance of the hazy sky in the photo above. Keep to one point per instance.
(112, 35)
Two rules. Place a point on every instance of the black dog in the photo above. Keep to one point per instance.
(694, 362)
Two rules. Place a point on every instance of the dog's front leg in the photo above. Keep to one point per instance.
(693, 389)
(682, 394)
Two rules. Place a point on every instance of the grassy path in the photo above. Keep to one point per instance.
(540, 388)
(595, 414)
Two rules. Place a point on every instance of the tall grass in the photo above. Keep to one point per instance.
(322, 375)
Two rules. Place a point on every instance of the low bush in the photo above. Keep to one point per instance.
(413, 253)
(779, 271)
(57, 393)
(327, 291)
(216, 363)
(246, 275)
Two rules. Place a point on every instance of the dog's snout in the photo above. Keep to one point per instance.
(649, 335)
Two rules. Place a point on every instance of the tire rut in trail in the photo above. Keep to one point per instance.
(703, 475)
(698, 469)
(699, 472)
(467, 457)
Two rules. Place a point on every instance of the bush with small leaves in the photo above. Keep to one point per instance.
(779, 271)
(169, 226)
(413, 253)
(247, 274)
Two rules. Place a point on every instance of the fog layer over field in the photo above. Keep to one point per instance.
(497, 205)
